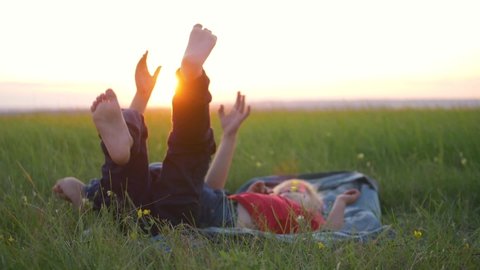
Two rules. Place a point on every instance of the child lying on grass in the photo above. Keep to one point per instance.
(188, 190)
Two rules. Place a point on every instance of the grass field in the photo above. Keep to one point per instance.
(427, 162)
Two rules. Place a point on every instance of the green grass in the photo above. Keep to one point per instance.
(426, 161)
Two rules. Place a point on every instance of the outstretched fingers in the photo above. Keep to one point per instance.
(221, 111)
(247, 113)
(142, 68)
(155, 74)
(142, 63)
(240, 105)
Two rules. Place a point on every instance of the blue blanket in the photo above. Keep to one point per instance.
(362, 219)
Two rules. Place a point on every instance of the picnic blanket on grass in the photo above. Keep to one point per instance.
(362, 218)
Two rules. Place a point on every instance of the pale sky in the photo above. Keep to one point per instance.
(63, 53)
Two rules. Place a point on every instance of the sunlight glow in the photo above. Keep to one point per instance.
(270, 50)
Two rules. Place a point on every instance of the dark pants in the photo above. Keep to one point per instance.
(174, 195)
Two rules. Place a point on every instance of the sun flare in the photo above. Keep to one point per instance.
(304, 50)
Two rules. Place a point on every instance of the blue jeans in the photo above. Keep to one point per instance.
(174, 194)
(216, 210)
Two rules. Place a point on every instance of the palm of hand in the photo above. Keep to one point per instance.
(144, 81)
(231, 122)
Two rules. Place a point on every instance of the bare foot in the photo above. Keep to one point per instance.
(200, 44)
(70, 189)
(145, 84)
(111, 126)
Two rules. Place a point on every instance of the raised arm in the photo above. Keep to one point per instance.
(217, 174)
(336, 218)
(145, 83)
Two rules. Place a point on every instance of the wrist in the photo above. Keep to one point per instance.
(340, 201)
(232, 136)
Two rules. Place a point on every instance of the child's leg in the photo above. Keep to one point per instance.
(124, 137)
(111, 126)
(190, 144)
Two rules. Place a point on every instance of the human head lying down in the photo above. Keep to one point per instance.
(292, 206)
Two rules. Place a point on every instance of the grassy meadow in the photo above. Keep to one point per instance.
(427, 162)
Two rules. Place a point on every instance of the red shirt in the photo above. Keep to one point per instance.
(276, 213)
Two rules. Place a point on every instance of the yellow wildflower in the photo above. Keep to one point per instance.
(294, 186)
(133, 235)
(24, 199)
(85, 202)
(417, 234)
(321, 245)
(144, 212)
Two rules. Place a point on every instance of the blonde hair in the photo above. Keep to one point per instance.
(296, 190)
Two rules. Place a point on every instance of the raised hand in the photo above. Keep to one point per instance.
(217, 173)
(145, 83)
(143, 79)
(232, 121)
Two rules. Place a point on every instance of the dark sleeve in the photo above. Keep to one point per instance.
(91, 189)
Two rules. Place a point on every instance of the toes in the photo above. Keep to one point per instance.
(100, 98)
(110, 95)
(198, 26)
(95, 103)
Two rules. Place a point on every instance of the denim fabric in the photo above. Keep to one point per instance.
(90, 190)
(364, 214)
(216, 210)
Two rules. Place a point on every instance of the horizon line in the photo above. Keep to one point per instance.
(303, 104)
